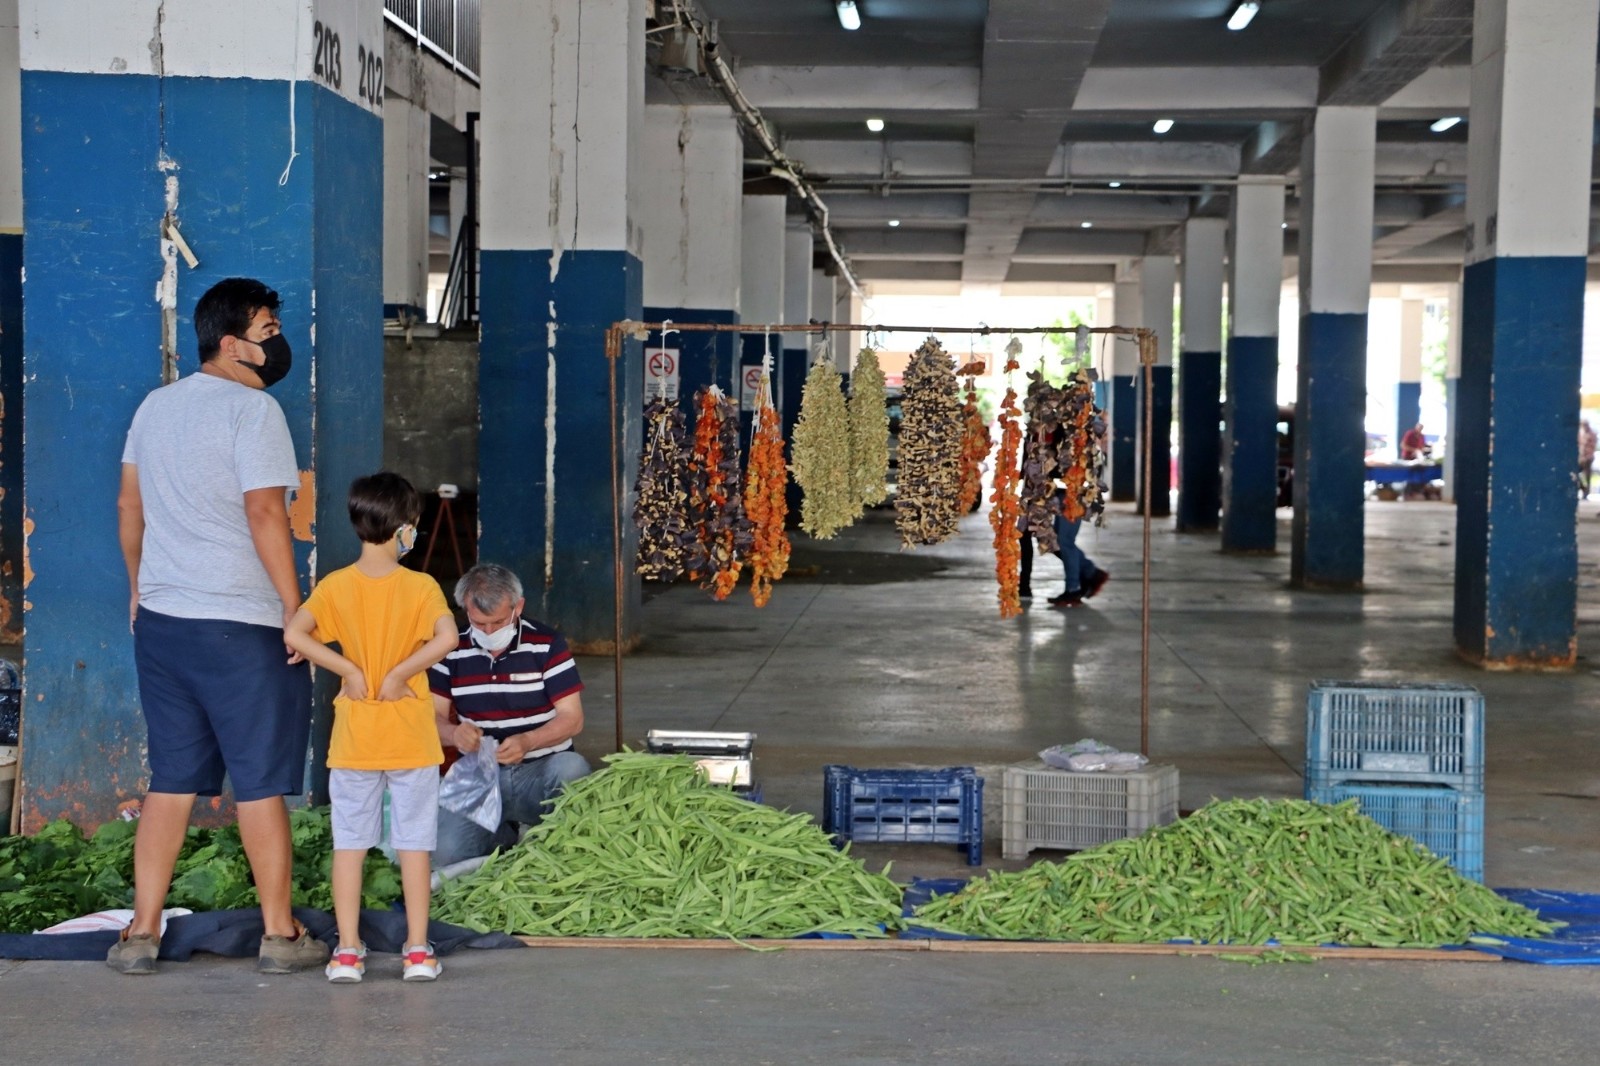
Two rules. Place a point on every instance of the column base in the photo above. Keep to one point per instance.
(1250, 466)
(1329, 446)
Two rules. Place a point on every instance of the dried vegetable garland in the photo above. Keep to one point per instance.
(1084, 462)
(974, 448)
(929, 487)
(716, 504)
(869, 431)
(820, 455)
(1006, 514)
(764, 502)
(1063, 445)
(661, 510)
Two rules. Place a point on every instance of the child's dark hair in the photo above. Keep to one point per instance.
(226, 310)
(380, 504)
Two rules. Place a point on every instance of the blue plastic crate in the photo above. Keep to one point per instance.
(905, 807)
(1413, 734)
(1447, 821)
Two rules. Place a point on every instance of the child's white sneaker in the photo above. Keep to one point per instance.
(346, 965)
(421, 965)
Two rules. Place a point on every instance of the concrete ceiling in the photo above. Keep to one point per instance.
(1007, 121)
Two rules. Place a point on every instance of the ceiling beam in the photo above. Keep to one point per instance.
(1399, 42)
(1448, 219)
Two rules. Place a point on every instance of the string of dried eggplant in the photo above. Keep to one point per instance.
(766, 480)
(661, 496)
(974, 448)
(928, 488)
(819, 455)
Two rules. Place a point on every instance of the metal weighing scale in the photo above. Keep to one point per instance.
(727, 758)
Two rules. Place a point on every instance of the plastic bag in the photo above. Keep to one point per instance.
(471, 787)
(1088, 755)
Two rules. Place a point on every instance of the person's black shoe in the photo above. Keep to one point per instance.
(1096, 583)
(1024, 593)
(1067, 599)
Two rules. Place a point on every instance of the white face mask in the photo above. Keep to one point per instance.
(497, 641)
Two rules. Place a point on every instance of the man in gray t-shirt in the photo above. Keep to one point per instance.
(204, 526)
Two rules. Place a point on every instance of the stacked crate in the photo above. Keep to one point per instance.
(1411, 756)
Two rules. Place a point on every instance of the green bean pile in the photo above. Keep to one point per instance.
(647, 848)
(1240, 872)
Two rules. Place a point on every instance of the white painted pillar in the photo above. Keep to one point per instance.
(1452, 393)
(1255, 296)
(1336, 176)
(406, 129)
(761, 278)
(1408, 388)
(789, 378)
(1200, 376)
(1157, 281)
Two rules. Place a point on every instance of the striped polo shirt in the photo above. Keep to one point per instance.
(514, 691)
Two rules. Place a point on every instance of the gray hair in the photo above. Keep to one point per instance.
(486, 586)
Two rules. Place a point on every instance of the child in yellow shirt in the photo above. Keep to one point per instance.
(391, 624)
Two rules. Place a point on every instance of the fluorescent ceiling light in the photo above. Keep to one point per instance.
(849, 17)
(1115, 185)
(1445, 123)
(1086, 225)
(875, 125)
(1243, 14)
(1162, 125)
(893, 222)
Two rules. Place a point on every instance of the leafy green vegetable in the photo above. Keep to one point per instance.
(57, 874)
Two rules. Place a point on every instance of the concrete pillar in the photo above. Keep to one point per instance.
(1127, 310)
(847, 308)
(823, 300)
(761, 292)
(1528, 174)
(1452, 380)
(11, 462)
(406, 140)
(1250, 441)
(269, 153)
(1200, 378)
(690, 219)
(1408, 390)
(790, 378)
(1336, 175)
(1158, 277)
(563, 99)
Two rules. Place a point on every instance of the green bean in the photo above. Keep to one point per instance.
(647, 848)
(1242, 872)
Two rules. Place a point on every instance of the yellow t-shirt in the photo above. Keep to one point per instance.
(377, 623)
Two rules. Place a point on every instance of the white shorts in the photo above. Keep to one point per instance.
(357, 797)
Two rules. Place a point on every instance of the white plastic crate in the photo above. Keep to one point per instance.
(1069, 810)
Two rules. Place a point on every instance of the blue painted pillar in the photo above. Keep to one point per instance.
(1335, 285)
(1126, 310)
(1158, 276)
(1522, 338)
(1408, 389)
(11, 512)
(273, 170)
(1250, 440)
(1200, 376)
(560, 264)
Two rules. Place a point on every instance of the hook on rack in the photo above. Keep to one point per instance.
(667, 330)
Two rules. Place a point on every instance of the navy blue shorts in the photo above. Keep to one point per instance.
(219, 697)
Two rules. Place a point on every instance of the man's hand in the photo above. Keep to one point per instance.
(133, 609)
(467, 738)
(294, 656)
(511, 750)
(394, 688)
(354, 687)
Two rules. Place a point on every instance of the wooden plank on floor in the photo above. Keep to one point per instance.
(721, 945)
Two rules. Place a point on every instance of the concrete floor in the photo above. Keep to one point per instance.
(886, 658)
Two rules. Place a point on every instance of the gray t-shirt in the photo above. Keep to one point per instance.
(200, 444)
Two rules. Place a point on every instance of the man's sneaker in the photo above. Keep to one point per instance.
(421, 964)
(1096, 583)
(347, 965)
(134, 955)
(286, 954)
(1067, 599)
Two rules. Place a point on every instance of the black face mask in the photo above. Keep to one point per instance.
(279, 359)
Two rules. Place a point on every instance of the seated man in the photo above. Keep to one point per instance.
(512, 679)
